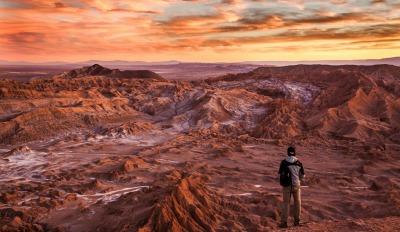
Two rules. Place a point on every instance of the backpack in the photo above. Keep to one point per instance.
(286, 176)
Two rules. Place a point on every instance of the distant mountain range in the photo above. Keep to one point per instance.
(116, 63)
(91, 62)
(391, 60)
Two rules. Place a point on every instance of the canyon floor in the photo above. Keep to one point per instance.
(95, 149)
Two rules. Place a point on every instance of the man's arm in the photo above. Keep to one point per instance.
(302, 174)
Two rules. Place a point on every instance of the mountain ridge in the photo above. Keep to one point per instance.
(388, 60)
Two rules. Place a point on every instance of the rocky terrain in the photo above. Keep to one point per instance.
(98, 149)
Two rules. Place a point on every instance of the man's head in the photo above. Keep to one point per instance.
(291, 151)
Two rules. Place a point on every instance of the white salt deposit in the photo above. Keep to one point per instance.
(167, 161)
(110, 196)
(243, 194)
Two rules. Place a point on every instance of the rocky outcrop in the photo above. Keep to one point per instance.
(189, 205)
(98, 70)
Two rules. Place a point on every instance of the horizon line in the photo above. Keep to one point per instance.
(182, 61)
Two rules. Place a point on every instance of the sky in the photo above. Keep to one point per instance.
(198, 30)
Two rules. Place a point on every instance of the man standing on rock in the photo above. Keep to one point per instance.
(291, 171)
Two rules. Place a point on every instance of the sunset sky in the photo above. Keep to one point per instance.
(214, 30)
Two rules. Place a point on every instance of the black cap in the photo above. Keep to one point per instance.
(291, 151)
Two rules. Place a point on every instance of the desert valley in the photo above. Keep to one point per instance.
(199, 115)
(99, 149)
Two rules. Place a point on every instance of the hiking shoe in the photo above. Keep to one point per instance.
(297, 223)
(283, 225)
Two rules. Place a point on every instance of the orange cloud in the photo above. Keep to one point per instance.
(38, 30)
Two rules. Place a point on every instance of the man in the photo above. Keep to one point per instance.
(291, 171)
